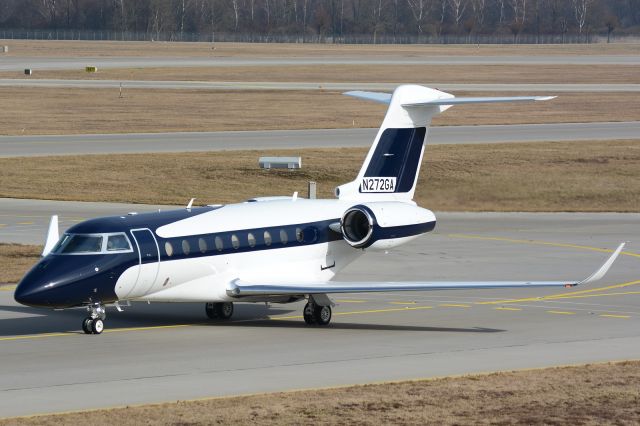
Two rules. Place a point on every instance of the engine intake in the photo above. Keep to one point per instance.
(357, 226)
(385, 224)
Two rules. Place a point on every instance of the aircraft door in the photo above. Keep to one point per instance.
(149, 261)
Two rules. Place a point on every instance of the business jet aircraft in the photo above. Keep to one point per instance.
(272, 249)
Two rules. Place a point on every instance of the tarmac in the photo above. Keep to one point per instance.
(44, 145)
(169, 352)
(17, 63)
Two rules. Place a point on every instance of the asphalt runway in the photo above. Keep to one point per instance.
(291, 85)
(36, 145)
(168, 352)
(13, 63)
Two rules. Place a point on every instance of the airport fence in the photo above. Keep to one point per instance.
(298, 38)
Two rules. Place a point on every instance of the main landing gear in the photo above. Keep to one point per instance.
(94, 323)
(222, 311)
(316, 314)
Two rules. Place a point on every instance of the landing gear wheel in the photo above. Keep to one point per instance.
(322, 315)
(86, 325)
(307, 314)
(224, 310)
(211, 310)
(97, 326)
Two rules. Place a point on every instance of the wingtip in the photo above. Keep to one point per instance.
(606, 266)
(545, 98)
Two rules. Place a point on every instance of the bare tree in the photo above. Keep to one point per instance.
(479, 7)
(377, 14)
(580, 8)
(267, 14)
(501, 16)
(519, 11)
(236, 13)
(420, 10)
(457, 8)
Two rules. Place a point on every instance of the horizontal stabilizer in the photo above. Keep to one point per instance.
(382, 98)
(238, 288)
(481, 100)
(385, 98)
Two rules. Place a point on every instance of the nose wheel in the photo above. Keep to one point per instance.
(315, 314)
(94, 323)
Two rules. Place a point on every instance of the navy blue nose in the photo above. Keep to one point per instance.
(30, 293)
(27, 294)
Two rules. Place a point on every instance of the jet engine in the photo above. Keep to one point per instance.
(384, 225)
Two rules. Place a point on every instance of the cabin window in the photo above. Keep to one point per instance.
(186, 248)
(202, 245)
(168, 248)
(235, 242)
(283, 236)
(219, 243)
(251, 239)
(118, 242)
(299, 235)
(267, 238)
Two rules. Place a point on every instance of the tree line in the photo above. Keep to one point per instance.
(336, 19)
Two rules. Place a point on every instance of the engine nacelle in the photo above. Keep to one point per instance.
(385, 224)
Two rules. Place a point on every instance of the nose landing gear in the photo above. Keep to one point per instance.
(94, 323)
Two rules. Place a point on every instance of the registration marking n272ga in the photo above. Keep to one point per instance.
(378, 184)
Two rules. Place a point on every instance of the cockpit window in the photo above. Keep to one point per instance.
(81, 244)
(92, 244)
(118, 242)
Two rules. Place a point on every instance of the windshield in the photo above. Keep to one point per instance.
(80, 244)
(92, 244)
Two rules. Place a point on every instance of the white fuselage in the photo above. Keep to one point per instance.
(206, 278)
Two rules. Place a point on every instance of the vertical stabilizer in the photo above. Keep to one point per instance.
(391, 168)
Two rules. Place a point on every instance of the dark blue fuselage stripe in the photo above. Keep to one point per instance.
(296, 235)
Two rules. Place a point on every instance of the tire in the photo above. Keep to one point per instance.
(307, 314)
(322, 315)
(224, 310)
(210, 309)
(86, 325)
(97, 325)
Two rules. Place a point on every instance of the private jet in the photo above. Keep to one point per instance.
(268, 249)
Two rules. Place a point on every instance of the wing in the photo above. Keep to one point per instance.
(237, 288)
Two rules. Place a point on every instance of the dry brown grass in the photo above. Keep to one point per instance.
(586, 395)
(555, 176)
(66, 111)
(15, 260)
(419, 74)
(40, 48)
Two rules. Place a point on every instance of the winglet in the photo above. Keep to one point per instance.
(53, 235)
(605, 267)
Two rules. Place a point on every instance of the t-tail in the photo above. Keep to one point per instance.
(392, 166)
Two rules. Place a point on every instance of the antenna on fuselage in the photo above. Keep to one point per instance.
(190, 204)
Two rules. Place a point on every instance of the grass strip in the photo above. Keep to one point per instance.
(92, 49)
(593, 176)
(29, 110)
(419, 74)
(15, 261)
(581, 395)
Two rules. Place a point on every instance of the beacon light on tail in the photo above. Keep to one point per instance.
(268, 249)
